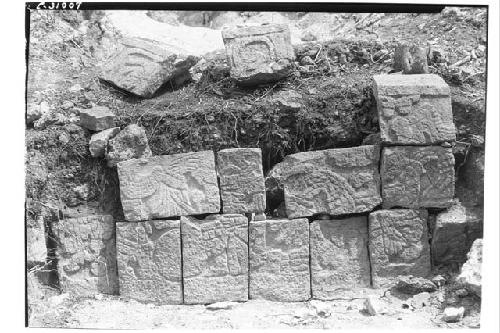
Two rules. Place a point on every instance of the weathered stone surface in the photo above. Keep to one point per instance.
(279, 260)
(99, 141)
(259, 54)
(398, 244)
(215, 258)
(86, 254)
(470, 274)
(130, 143)
(339, 256)
(149, 261)
(453, 315)
(414, 109)
(97, 118)
(141, 67)
(453, 233)
(415, 177)
(241, 180)
(332, 181)
(411, 59)
(169, 185)
(36, 249)
(413, 285)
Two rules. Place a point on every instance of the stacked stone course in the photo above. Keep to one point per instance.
(195, 231)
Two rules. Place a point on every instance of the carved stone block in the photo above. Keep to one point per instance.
(169, 185)
(332, 181)
(415, 177)
(86, 253)
(259, 54)
(414, 109)
(149, 261)
(399, 245)
(215, 258)
(241, 180)
(279, 260)
(339, 257)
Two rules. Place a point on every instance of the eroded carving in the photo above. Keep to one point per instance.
(215, 258)
(169, 185)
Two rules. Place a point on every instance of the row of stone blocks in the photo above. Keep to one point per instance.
(333, 181)
(233, 258)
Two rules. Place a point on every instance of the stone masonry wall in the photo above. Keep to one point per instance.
(355, 217)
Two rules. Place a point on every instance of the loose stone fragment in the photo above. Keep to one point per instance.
(411, 59)
(99, 141)
(454, 232)
(149, 261)
(279, 260)
(169, 185)
(332, 181)
(453, 315)
(86, 254)
(98, 118)
(339, 257)
(259, 54)
(415, 177)
(398, 244)
(130, 143)
(141, 67)
(241, 180)
(374, 306)
(470, 274)
(215, 258)
(414, 109)
(412, 285)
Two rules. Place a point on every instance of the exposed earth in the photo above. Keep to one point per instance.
(66, 52)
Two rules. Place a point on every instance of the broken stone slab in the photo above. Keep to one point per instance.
(470, 274)
(339, 257)
(413, 285)
(259, 54)
(149, 261)
(415, 177)
(411, 58)
(332, 181)
(215, 258)
(99, 141)
(398, 245)
(142, 67)
(86, 253)
(453, 233)
(167, 186)
(414, 109)
(374, 306)
(97, 118)
(36, 249)
(241, 180)
(279, 260)
(130, 143)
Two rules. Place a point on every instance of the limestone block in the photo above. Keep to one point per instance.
(215, 258)
(332, 181)
(453, 233)
(97, 118)
(169, 185)
(259, 54)
(414, 109)
(142, 66)
(149, 261)
(99, 141)
(398, 245)
(279, 260)
(86, 253)
(415, 177)
(241, 180)
(470, 273)
(411, 59)
(130, 143)
(339, 257)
